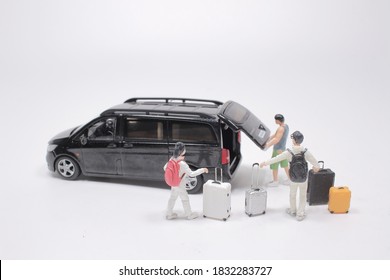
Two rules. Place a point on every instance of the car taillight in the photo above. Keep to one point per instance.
(225, 156)
(239, 137)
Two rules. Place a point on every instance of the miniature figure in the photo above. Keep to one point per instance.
(177, 167)
(278, 140)
(298, 173)
(105, 129)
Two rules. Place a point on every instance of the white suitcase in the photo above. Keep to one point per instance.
(216, 199)
(255, 197)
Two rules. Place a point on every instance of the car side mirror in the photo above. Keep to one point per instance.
(83, 140)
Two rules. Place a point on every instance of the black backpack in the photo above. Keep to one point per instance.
(298, 167)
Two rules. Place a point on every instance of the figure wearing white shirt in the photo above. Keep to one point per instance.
(180, 191)
(297, 139)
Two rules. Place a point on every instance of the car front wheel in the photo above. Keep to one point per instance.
(67, 168)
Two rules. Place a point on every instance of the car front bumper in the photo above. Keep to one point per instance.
(50, 158)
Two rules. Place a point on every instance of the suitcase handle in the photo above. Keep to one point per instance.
(258, 175)
(323, 163)
(216, 172)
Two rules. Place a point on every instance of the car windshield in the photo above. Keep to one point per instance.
(77, 128)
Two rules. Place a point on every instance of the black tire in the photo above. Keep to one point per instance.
(195, 185)
(67, 168)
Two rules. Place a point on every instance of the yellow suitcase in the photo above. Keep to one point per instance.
(339, 200)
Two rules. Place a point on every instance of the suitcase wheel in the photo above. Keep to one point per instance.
(204, 216)
(250, 215)
(224, 219)
(263, 212)
(331, 212)
(346, 212)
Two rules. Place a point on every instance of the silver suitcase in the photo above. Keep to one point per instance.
(255, 197)
(216, 199)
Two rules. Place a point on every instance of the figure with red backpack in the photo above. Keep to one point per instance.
(176, 175)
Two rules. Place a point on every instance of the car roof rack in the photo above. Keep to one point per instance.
(158, 113)
(170, 99)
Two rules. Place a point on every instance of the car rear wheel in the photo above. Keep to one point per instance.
(194, 184)
(67, 168)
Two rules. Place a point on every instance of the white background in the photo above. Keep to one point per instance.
(325, 65)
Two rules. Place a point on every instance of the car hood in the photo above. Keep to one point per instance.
(62, 136)
(237, 117)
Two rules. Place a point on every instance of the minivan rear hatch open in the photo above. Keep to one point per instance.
(237, 117)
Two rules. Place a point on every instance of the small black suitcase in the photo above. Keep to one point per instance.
(319, 184)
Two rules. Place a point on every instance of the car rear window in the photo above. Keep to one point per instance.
(236, 113)
(193, 132)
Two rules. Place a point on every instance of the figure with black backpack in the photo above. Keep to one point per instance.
(297, 157)
(176, 176)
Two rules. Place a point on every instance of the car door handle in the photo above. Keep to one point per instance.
(111, 145)
(128, 145)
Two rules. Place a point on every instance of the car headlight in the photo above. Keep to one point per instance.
(51, 148)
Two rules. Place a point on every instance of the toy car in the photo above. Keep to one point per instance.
(135, 139)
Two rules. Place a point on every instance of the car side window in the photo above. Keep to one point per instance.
(193, 132)
(103, 130)
(150, 130)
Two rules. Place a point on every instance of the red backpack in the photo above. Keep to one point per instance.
(171, 175)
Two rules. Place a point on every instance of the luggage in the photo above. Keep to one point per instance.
(319, 184)
(216, 199)
(255, 197)
(339, 200)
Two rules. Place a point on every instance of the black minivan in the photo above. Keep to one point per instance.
(135, 139)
